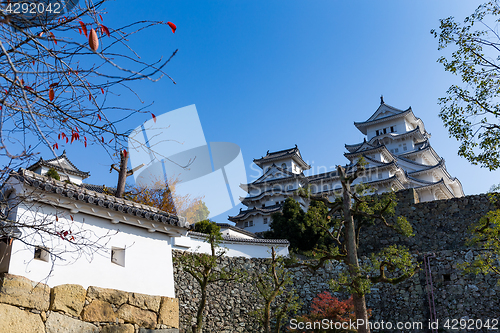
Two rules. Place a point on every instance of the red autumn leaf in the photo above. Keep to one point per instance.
(172, 26)
(102, 90)
(40, 34)
(33, 62)
(102, 138)
(85, 143)
(124, 153)
(65, 120)
(72, 138)
(53, 38)
(55, 146)
(85, 138)
(28, 88)
(66, 139)
(51, 94)
(63, 135)
(90, 97)
(65, 233)
(71, 217)
(84, 28)
(93, 40)
(105, 30)
(110, 140)
(154, 117)
(54, 85)
(77, 129)
(100, 17)
(72, 238)
(80, 30)
(57, 219)
(59, 137)
(99, 116)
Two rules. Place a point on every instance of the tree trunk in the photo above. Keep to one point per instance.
(201, 307)
(352, 253)
(122, 175)
(267, 316)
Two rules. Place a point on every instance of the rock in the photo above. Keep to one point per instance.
(169, 312)
(99, 311)
(15, 320)
(113, 296)
(469, 256)
(58, 323)
(20, 291)
(124, 328)
(145, 302)
(162, 330)
(134, 315)
(68, 298)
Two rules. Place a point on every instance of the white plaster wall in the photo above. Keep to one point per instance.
(233, 233)
(195, 244)
(148, 260)
(72, 178)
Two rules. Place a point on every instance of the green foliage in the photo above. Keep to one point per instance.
(485, 235)
(303, 230)
(274, 290)
(52, 173)
(207, 269)
(471, 112)
(207, 227)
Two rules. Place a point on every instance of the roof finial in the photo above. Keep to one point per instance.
(381, 99)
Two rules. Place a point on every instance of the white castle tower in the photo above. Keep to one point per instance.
(398, 156)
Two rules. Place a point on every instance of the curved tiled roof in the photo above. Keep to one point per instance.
(79, 193)
(263, 210)
(244, 240)
(58, 164)
(279, 155)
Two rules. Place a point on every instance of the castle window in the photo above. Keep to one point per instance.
(250, 223)
(404, 147)
(246, 224)
(283, 166)
(41, 253)
(263, 205)
(325, 187)
(290, 187)
(265, 220)
(118, 256)
(385, 130)
(380, 175)
(377, 132)
(396, 150)
(392, 129)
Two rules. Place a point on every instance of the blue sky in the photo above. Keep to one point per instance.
(272, 74)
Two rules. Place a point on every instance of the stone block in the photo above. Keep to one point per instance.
(145, 302)
(161, 330)
(169, 312)
(68, 298)
(59, 323)
(134, 315)
(113, 296)
(20, 291)
(99, 311)
(124, 328)
(15, 320)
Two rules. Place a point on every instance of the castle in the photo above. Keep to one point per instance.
(398, 156)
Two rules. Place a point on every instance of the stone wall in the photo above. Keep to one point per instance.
(440, 231)
(27, 306)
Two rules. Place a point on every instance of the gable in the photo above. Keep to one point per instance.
(384, 111)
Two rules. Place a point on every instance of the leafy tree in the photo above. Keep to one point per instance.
(327, 306)
(471, 111)
(164, 197)
(485, 236)
(207, 269)
(298, 227)
(207, 227)
(350, 213)
(52, 173)
(275, 292)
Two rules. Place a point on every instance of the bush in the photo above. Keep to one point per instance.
(52, 173)
(327, 306)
